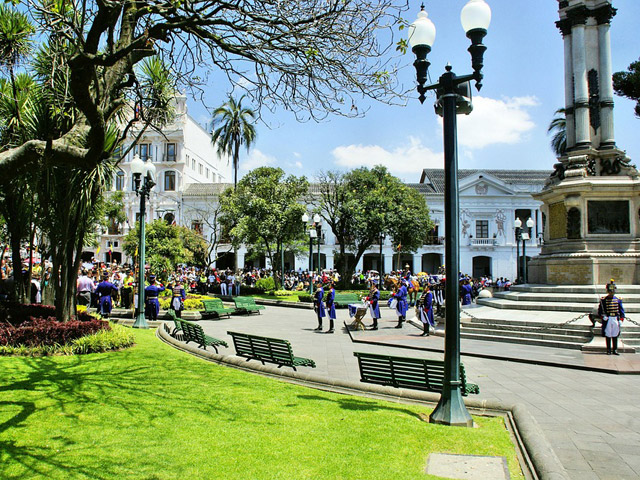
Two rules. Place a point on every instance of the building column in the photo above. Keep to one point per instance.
(329, 261)
(388, 260)
(240, 254)
(606, 87)
(568, 88)
(417, 263)
(581, 90)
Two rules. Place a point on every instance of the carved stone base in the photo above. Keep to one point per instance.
(584, 269)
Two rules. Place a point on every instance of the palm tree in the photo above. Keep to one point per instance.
(235, 128)
(558, 127)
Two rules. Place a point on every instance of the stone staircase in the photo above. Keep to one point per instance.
(574, 298)
(549, 298)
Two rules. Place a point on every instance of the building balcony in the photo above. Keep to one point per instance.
(434, 240)
(483, 242)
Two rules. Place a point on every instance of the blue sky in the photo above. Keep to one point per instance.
(523, 87)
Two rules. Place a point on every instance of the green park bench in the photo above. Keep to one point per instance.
(413, 373)
(194, 333)
(344, 299)
(266, 349)
(176, 323)
(215, 306)
(247, 304)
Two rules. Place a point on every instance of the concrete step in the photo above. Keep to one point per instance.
(523, 341)
(589, 298)
(551, 306)
(584, 289)
(560, 335)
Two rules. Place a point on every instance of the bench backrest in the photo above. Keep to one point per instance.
(345, 298)
(255, 346)
(245, 301)
(413, 373)
(212, 303)
(192, 331)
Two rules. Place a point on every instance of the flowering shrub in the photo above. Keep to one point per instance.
(36, 325)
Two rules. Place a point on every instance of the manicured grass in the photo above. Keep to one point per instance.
(151, 412)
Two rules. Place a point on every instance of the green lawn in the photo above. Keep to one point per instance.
(151, 412)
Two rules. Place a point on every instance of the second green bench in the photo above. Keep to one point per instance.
(215, 306)
(247, 304)
(266, 349)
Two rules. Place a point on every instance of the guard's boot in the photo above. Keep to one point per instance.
(608, 342)
(400, 320)
(319, 329)
(615, 345)
(425, 333)
(330, 326)
(375, 324)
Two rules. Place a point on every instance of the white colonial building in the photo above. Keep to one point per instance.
(183, 155)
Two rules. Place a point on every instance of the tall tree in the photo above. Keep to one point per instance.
(235, 128)
(558, 129)
(627, 84)
(311, 57)
(361, 204)
(265, 211)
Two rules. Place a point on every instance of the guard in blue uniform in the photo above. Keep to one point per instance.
(104, 290)
(425, 309)
(178, 296)
(401, 306)
(465, 292)
(374, 308)
(318, 305)
(331, 307)
(151, 304)
(611, 311)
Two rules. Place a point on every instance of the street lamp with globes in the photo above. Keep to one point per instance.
(144, 174)
(453, 97)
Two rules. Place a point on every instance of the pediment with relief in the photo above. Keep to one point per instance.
(484, 185)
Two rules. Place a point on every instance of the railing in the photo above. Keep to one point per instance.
(433, 240)
(483, 242)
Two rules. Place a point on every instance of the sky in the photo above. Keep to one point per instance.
(522, 88)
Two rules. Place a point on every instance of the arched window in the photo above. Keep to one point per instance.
(170, 218)
(169, 181)
(120, 181)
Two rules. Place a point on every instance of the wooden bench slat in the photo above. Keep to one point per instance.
(266, 349)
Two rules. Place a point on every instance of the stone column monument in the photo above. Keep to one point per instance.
(592, 199)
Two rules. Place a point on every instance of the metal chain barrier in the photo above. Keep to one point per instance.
(539, 329)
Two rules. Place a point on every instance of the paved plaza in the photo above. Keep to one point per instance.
(591, 419)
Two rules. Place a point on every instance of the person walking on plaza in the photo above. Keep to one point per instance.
(151, 303)
(178, 296)
(318, 305)
(223, 283)
(85, 288)
(425, 308)
(611, 311)
(401, 304)
(374, 308)
(465, 292)
(104, 290)
(331, 307)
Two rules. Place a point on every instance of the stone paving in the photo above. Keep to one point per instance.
(592, 419)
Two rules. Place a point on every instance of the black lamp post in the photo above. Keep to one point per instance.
(381, 272)
(317, 220)
(453, 97)
(144, 180)
(312, 234)
(518, 225)
(525, 236)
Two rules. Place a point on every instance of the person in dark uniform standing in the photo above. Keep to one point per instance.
(465, 292)
(318, 305)
(401, 306)
(151, 303)
(331, 307)
(104, 290)
(178, 296)
(611, 311)
(425, 310)
(374, 308)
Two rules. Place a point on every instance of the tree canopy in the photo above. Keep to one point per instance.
(364, 203)
(265, 211)
(313, 57)
(627, 84)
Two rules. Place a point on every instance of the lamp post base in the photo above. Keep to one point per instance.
(141, 322)
(451, 411)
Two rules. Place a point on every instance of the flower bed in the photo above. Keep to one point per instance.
(36, 326)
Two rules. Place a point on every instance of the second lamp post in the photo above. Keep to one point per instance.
(144, 174)
(453, 97)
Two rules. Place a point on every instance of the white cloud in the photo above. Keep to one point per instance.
(401, 161)
(298, 164)
(505, 121)
(256, 159)
(296, 154)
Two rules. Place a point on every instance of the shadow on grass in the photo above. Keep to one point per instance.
(357, 404)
